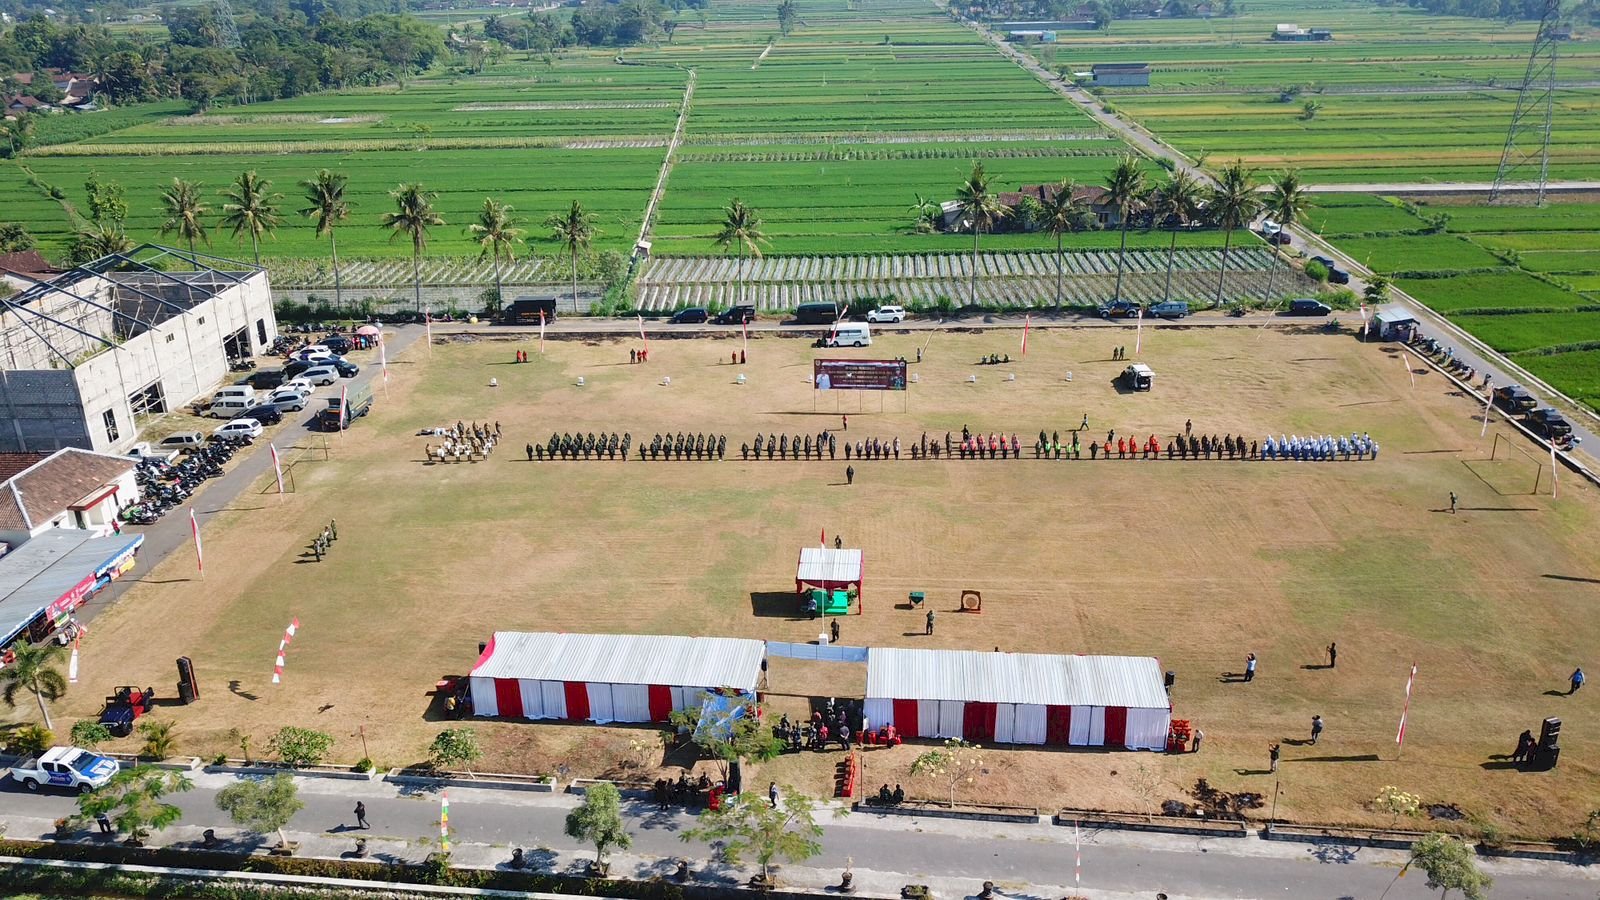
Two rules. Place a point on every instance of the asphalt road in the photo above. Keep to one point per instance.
(972, 851)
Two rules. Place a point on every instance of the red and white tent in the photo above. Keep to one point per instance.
(829, 569)
(1019, 698)
(607, 677)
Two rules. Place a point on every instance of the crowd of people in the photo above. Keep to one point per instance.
(607, 445)
(686, 446)
(783, 446)
(461, 442)
(701, 792)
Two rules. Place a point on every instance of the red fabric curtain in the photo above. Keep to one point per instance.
(508, 696)
(660, 702)
(977, 722)
(1058, 725)
(905, 718)
(577, 699)
(1116, 726)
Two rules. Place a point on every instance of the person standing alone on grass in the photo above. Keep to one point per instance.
(361, 815)
(1333, 655)
(930, 622)
(849, 474)
(1198, 737)
(1577, 682)
(1250, 667)
(1273, 753)
(1316, 729)
(844, 423)
(1452, 502)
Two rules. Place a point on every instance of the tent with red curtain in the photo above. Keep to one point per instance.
(1019, 698)
(607, 677)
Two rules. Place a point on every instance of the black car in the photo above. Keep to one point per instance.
(296, 366)
(1281, 238)
(694, 315)
(338, 343)
(266, 414)
(737, 315)
(266, 379)
(1549, 422)
(1335, 274)
(346, 368)
(1515, 398)
(1307, 307)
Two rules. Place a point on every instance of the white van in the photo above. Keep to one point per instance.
(235, 392)
(228, 407)
(851, 334)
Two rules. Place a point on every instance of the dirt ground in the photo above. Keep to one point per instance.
(1196, 563)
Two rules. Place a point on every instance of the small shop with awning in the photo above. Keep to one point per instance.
(45, 580)
(1019, 698)
(829, 578)
(608, 677)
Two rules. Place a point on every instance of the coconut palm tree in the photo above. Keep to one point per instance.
(573, 229)
(741, 228)
(1125, 191)
(34, 670)
(1233, 203)
(251, 208)
(183, 209)
(1064, 212)
(1286, 203)
(326, 205)
(413, 215)
(496, 232)
(980, 210)
(1175, 203)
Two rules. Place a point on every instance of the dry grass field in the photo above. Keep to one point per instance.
(1197, 563)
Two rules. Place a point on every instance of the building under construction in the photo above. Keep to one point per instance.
(88, 354)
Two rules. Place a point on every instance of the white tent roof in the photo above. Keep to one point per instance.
(820, 564)
(1035, 678)
(623, 659)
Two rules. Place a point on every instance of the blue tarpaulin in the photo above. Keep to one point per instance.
(719, 713)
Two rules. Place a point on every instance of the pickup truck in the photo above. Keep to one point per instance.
(142, 451)
(66, 767)
(334, 417)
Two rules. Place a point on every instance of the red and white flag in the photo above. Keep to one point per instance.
(641, 335)
(344, 407)
(1138, 332)
(288, 635)
(383, 360)
(541, 332)
(199, 552)
(822, 537)
(1364, 323)
(1400, 736)
(1555, 472)
(745, 345)
(1027, 324)
(277, 467)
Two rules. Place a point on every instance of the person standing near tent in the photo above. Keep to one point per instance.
(930, 621)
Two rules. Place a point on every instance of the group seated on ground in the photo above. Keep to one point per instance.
(887, 797)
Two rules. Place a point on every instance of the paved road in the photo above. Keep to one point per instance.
(1445, 187)
(970, 852)
(170, 534)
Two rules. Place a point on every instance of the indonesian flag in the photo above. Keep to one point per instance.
(1400, 736)
(344, 407)
(541, 332)
(444, 821)
(1364, 323)
(822, 537)
(288, 635)
(1027, 323)
(277, 467)
(745, 327)
(641, 334)
(1138, 332)
(199, 551)
(72, 665)
(383, 359)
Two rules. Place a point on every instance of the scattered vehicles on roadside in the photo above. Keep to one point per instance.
(1280, 237)
(1336, 275)
(737, 314)
(850, 334)
(1138, 377)
(1119, 309)
(887, 314)
(816, 314)
(1549, 422)
(1305, 306)
(693, 315)
(71, 768)
(238, 428)
(1515, 398)
(1171, 309)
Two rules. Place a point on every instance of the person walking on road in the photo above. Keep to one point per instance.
(849, 474)
(1577, 682)
(1250, 667)
(930, 622)
(361, 815)
(1316, 729)
(1273, 753)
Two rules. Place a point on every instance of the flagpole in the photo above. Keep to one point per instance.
(1405, 710)
(199, 550)
(383, 361)
(1027, 324)
(1488, 396)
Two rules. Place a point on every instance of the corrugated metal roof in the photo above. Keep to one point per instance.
(624, 659)
(820, 564)
(43, 570)
(1037, 678)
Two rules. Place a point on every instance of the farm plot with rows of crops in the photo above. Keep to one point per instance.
(1003, 279)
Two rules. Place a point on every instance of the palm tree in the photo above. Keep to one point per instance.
(1233, 204)
(326, 205)
(741, 228)
(1064, 212)
(1124, 190)
(1286, 203)
(1175, 203)
(94, 240)
(573, 229)
(496, 232)
(251, 209)
(980, 210)
(34, 670)
(413, 216)
(927, 213)
(183, 209)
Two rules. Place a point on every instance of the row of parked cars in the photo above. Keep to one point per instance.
(1545, 421)
(264, 396)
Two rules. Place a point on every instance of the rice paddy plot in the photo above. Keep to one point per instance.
(1418, 253)
(1509, 290)
(1532, 331)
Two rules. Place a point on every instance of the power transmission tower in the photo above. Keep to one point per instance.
(227, 28)
(1528, 138)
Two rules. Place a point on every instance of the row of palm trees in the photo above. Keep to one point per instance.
(252, 209)
(1177, 203)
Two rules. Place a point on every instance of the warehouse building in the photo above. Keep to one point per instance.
(1121, 74)
(85, 353)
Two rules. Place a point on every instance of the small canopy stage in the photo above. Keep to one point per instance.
(607, 677)
(830, 571)
(1019, 698)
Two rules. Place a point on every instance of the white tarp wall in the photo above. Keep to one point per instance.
(1147, 729)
